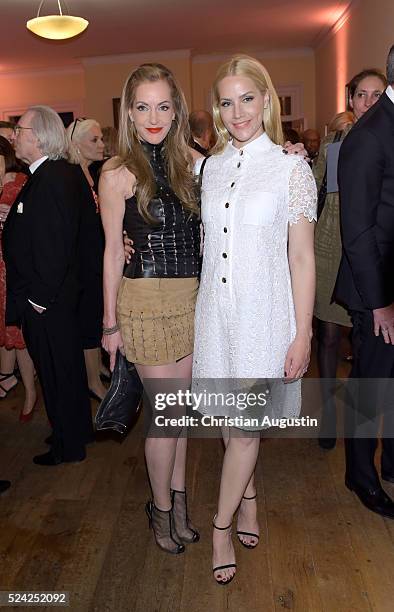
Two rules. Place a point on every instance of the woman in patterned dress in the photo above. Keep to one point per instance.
(11, 339)
(255, 302)
(364, 89)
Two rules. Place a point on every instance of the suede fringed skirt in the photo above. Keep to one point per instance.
(156, 318)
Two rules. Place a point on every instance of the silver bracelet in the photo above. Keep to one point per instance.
(107, 331)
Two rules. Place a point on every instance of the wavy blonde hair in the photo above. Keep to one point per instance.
(243, 65)
(340, 121)
(177, 156)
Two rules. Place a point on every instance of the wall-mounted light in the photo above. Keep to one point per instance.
(56, 27)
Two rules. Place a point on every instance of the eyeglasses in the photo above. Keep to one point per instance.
(18, 128)
(75, 125)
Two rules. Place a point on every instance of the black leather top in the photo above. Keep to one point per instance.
(171, 247)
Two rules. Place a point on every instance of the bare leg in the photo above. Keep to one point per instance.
(93, 365)
(247, 511)
(238, 466)
(7, 365)
(26, 368)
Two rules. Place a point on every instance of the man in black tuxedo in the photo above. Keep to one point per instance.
(40, 244)
(365, 284)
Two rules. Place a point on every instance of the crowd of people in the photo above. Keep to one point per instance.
(229, 192)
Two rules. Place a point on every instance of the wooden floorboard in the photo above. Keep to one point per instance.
(83, 528)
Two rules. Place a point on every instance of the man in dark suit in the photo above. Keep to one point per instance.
(365, 284)
(40, 243)
(202, 130)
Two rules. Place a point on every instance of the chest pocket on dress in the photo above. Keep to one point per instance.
(260, 208)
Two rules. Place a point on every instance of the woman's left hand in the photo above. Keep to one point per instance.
(296, 149)
(297, 358)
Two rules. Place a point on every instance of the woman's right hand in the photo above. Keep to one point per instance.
(4, 210)
(111, 343)
(127, 245)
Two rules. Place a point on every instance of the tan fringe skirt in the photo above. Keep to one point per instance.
(156, 318)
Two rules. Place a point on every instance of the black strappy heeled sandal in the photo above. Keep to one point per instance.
(222, 567)
(248, 533)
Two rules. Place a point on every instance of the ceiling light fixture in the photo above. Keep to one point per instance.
(56, 27)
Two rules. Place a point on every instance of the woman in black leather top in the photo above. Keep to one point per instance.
(170, 248)
(149, 191)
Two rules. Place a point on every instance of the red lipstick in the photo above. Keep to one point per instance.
(154, 130)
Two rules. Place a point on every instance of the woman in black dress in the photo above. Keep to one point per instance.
(86, 148)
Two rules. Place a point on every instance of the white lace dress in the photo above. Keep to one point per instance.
(245, 318)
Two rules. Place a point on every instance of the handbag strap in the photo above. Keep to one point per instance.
(201, 174)
(321, 198)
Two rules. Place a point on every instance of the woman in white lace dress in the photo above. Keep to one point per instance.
(255, 303)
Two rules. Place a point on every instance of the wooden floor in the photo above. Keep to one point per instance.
(82, 528)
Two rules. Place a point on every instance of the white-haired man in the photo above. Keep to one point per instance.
(40, 242)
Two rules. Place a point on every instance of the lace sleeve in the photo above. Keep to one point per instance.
(302, 193)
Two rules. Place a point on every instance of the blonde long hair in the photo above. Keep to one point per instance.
(246, 66)
(178, 159)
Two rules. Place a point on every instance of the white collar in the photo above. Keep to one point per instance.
(390, 93)
(33, 167)
(258, 145)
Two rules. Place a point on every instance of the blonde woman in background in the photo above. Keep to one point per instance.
(86, 147)
(255, 303)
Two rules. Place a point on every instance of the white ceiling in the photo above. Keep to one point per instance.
(132, 26)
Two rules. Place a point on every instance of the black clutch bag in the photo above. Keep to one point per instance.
(122, 401)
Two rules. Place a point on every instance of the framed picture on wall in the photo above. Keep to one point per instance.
(68, 110)
(115, 110)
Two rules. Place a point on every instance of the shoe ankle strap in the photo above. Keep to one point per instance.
(220, 528)
(254, 496)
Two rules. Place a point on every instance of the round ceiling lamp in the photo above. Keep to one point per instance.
(56, 27)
